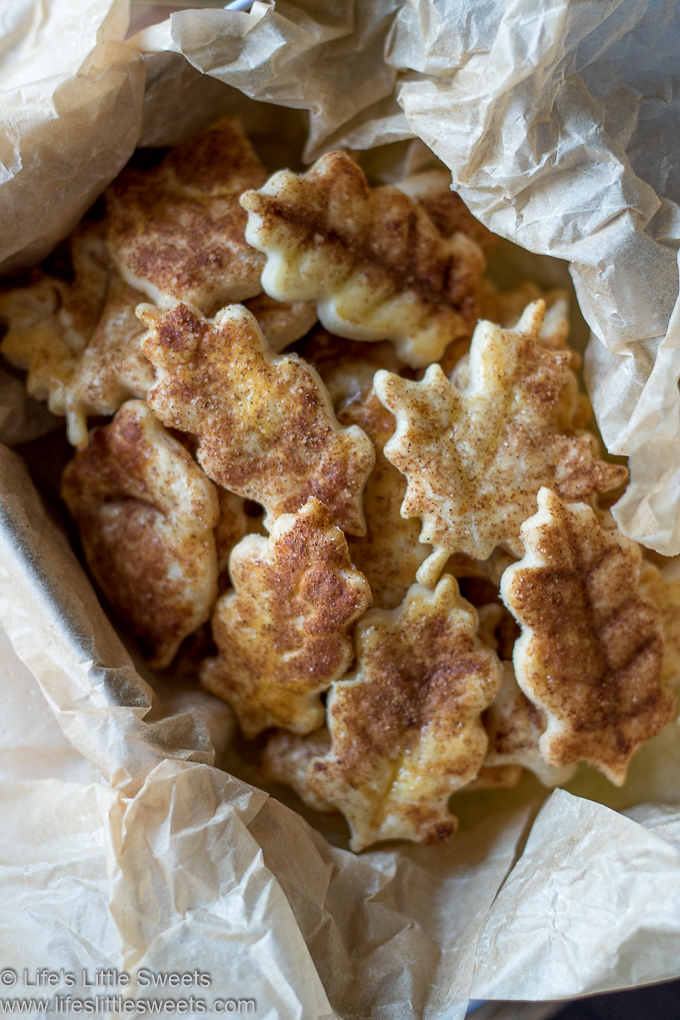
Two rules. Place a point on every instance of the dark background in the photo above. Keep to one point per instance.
(661, 1002)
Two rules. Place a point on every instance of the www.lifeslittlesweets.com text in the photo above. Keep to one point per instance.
(114, 991)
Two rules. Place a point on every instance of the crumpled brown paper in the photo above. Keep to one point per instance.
(166, 862)
(594, 878)
(70, 110)
(273, 913)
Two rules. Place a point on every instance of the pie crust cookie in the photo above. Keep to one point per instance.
(283, 633)
(145, 513)
(405, 726)
(371, 258)
(591, 651)
(265, 423)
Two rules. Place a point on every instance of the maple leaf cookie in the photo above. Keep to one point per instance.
(475, 458)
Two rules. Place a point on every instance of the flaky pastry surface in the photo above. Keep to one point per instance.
(79, 340)
(283, 634)
(266, 426)
(372, 259)
(83, 291)
(35, 339)
(590, 655)
(146, 513)
(512, 723)
(405, 726)
(475, 458)
(76, 336)
(176, 232)
(113, 366)
(571, 410)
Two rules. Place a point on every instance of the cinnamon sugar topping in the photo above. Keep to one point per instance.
(283, 633)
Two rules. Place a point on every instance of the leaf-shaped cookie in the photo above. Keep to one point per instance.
(176, 231)
(505, 308)
(83, 269)
(476, 458)
(286, 759)
(591, 649)
(35, 339)
(572, 410)
(113, 366)
(92, 369)
(370, 257)
(405, 727)
(283, 633)
(266, 426)
(146, 512)
(389, 554)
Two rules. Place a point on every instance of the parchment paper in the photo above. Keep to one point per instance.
(167, 862)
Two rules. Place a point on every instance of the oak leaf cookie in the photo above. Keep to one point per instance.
(283, 634)
(371, 258)
(231, 526)
(405, 726)
(591, 651)
(146, 513)
(513, 724)
(266, 426)
(35, 339)
(176, 231)
(475, 458)
(514, 727)
(112, 368)
(81, 268)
